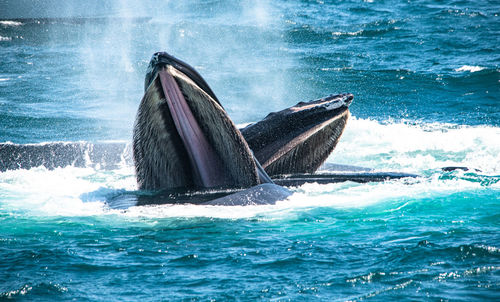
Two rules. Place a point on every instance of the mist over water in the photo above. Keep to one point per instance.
(426, 82)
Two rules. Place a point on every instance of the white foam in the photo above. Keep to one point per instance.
(336, 68)
(418, 147)
(354, 33)
(66, 191)
(10, 23)
(39, 191)
(397, 146)
(469, 68)
(5, 38)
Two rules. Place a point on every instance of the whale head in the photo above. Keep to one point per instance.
(183, 138)
(300, 138)
(160, 60)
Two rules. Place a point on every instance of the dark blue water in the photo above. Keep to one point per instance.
(426, 80)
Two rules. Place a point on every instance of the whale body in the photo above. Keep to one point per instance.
(183, 138)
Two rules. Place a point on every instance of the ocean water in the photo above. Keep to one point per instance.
(426, 81)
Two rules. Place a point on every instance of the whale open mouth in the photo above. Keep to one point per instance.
(184, 138)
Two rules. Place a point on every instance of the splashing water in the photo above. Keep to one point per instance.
(425, 78)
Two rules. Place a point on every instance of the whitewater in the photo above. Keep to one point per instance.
(425, 78)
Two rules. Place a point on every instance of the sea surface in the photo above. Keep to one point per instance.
(426, 80)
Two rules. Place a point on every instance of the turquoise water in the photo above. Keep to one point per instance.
(426, 81)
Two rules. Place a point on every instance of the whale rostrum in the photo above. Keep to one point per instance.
(299, 139)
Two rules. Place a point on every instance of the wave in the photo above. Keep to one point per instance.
(366, 32)
(102, 172)
(10, 23)
(354, 33)
(106, 155)
(469, 68)
(73, 20)
(28, 289)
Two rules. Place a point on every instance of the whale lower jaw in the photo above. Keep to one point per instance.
(184, 139)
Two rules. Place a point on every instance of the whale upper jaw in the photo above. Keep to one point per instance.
(300, 138)
(328, 103)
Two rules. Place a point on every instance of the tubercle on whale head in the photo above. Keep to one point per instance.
(306, 114)
(328, 103)
(331, 102)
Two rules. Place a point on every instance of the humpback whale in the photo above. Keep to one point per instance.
(183, 138)
(185, 144)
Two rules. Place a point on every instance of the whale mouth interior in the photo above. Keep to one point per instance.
(207, 167)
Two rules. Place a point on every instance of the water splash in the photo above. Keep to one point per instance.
(415, 147)
(418, 146)
(469, 68)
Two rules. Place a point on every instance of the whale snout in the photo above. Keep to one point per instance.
(348, 98)
(160, 60)
(328, 103)
(337, 101)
